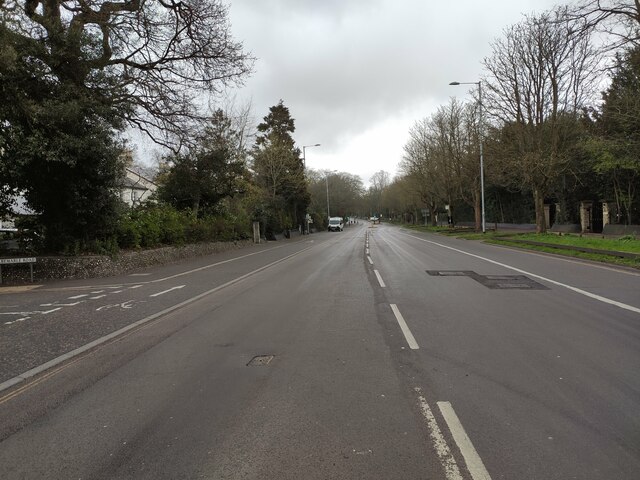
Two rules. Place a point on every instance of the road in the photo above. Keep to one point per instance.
(373, 353)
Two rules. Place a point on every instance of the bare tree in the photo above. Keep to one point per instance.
(418, 169)
(619, 19)
(152, 60)
(541, 72)
(442, 157)
(379, 182)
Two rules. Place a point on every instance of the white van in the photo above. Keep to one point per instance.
(335, 224)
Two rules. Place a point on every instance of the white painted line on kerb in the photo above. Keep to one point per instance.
(451, 470)
(413, 345)
(380, 281)
(369, 258)
(474, 463)
(167, 291)
(602, 299)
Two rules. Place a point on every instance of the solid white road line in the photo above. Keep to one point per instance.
(413, 345)
(600, 298)
(380, 281)
(75, 297)
(167, 291)
(472, 459)
(97, 297)
(369, 258)
(451, 470)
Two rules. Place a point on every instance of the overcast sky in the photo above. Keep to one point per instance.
(356, 74)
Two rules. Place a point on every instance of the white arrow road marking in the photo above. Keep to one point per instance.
(167, 291)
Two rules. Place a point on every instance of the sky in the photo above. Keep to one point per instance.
(357, 74)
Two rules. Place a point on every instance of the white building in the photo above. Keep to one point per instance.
(136, 188)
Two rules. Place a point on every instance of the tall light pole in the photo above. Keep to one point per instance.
(479, 83)
(326, 179)
(304, 155)
(304, 167)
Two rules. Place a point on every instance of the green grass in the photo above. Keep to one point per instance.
(624, 244)
(628, 262)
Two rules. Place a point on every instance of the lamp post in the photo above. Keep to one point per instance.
(304, 167)
(479, 83)
(326, 179)
(304, 156)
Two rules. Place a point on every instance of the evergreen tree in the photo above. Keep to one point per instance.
(279, 171)
(201, 178)
(616, 145)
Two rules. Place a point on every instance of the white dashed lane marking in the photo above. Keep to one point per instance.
(413, 345)
(380, 281)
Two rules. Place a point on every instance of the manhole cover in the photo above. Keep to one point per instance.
(260, 360)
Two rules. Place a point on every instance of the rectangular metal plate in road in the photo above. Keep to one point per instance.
(260, 361)
(450, 273)
(494, 282)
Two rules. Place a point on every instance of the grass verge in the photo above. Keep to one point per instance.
(624, 244)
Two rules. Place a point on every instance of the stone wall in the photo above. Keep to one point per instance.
(55, 268)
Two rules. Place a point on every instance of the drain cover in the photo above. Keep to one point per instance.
(260, 361)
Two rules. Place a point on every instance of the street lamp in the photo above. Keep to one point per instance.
(326, 179)
(304, 156)
(304, 167)
(479, 83)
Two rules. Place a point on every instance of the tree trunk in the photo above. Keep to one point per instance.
(538, 200)
(477, 210)
(434, 221)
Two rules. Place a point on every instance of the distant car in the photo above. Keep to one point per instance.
(335, 224)
(374, 219)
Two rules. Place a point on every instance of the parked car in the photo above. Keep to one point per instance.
(335, 224)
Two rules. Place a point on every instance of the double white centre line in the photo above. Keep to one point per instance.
(474, 463)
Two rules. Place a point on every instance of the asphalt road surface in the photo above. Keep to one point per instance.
(373, 353)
